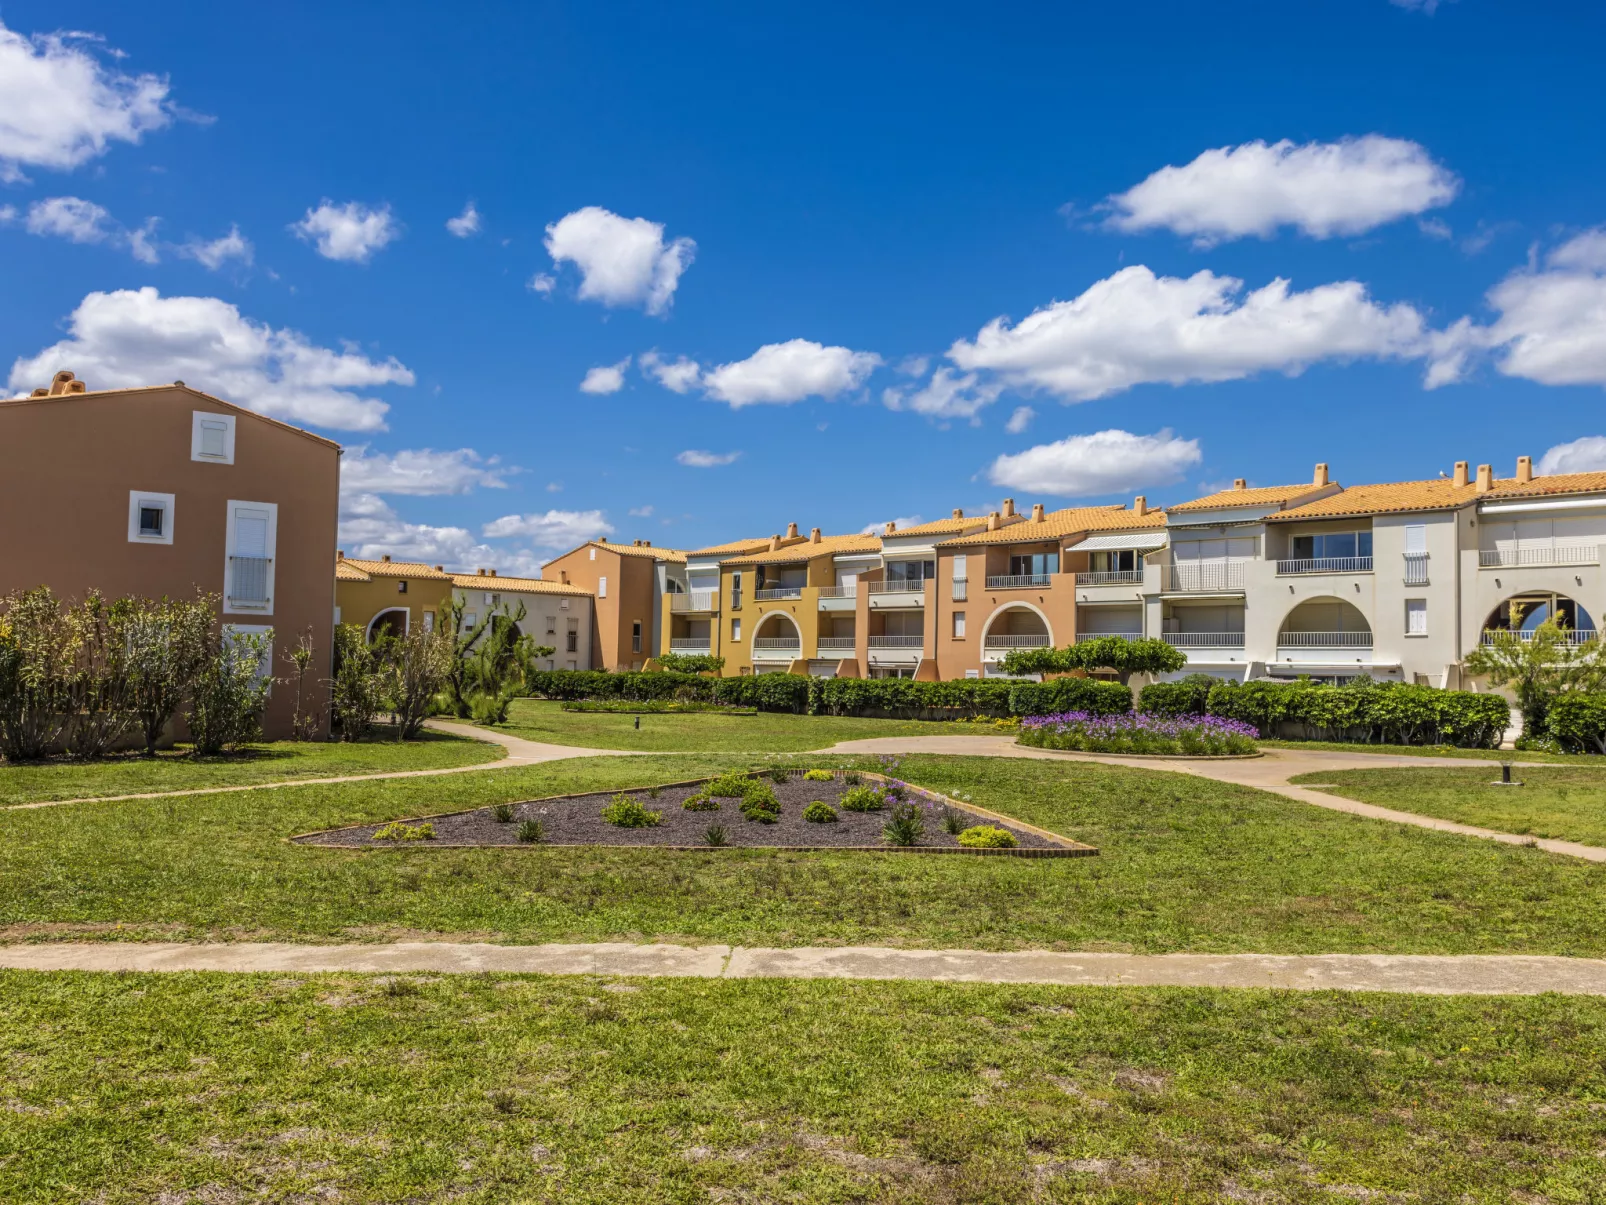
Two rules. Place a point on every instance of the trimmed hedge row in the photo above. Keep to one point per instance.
(1578, 722)
(1371, 713)
(901, 698)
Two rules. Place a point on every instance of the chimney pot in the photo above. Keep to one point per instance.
(1460, 478)
(58, 383)
(493, 573)
(479, 573)
(340, 554)
(1009, 508)
(791, 531)
(386, 558)
(180, 384)
(1321, 475)
(992, 521)
(959, 512)
(1238, 483)
(1140, 504)
(775, 543)
(440, 568)
(1485, 478)
(1525, 468)
(892, 526)
(814, 535)
(646, 543)
(42, 391)
(76, 387)
(1037, 512)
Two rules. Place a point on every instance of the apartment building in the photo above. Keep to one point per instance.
(389, 598)
(691, 601)
(627, 583)
(554, 615)
(165, 490)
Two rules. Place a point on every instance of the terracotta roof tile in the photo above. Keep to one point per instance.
(1060, 523)
(807, 550)
(939, 527)
(1266, 495)
(1556, 483)
(412, 569)
(514, 585)
(1384, 498)
(675, 555)
(731, 548)
(345, 571)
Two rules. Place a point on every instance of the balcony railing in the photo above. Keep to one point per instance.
(1204, 640)
(689, 644)
(772, 593)
(1559, 554)
(915, 585)
(1020, 581)
(1327, 564)
(1324, 640)
(695, 600)
(1084, 637)
(1416, 569)
(777, 643)
(1210, 576)
(1574, 636)
(1039, 640)
(248, 580)
(847, 591)
(837, 642)
(897, 642)
(1111, 577)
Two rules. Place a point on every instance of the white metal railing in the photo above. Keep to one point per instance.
(688, 644)
(897, 642)
(1204, 640)
(695, 600)
(1327, 564)
(1083, 637)
(961, 589)
(915, 585)
(1039, 640)
(1558, 554)
(1573, 635)
(777, 642)
(847, 591)
(1213, 575)
(1110, 577)
(836, 642)
(1324, 640)
(1416, 569)
(772, 593)
(248, 580)
(1020, 581)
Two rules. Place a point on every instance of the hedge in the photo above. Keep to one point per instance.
(1373, 713)
(1578, 722)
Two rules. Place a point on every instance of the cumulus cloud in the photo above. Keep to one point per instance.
(542, 283)
(214, 253)
(605, 378)
(81, 221)
(944, 396)
(1321, 188)
(1586, 455)
(1105, 462)
(1552, 324)
(622, 261)
(782, 373)
(420, 471)
(679, 377)
(1020, 419)
(902, 521)
(138, 337)
(694, 459)
(465, 224)
(370, 528)
(61, 106)
(1135, 328)
(1418, 6)
(641, 512)
(551, 529)
(350, 233)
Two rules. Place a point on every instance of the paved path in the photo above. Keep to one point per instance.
(1476, 974)
(1268, 773)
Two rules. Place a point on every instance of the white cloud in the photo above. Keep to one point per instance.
(137, 337)
(641, 512)
(142, 242)
(421, 471)
(1418, 6)
(214, 253)
(913, 366)
(60, 106)
(1105, 462)
(694, 459)
(782, 373)
(679, 377)
(351, 232)
(553, 529)
(370, 528)
(71, 218)
(622, 261)
(8, 214)
(1586, 455)
(1020, 420)
(1322, 188)
(605, 378)
(465, 224)
(1135, 328)
(944, 396)
(541, 283)
(902, 521)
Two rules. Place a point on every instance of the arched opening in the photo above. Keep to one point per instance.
(388, 623)
(777, 638)
(1019, 626)
(1325, 623)
(1523, 613)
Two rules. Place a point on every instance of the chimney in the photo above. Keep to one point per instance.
(1238, 483)
(791, 531)
(1009, 508)
(1140, 505)
(992, 521)
(1525, 468)
(959, 512)
(340, 554)
(42, 391)
(1460, 478)
(58, 383)
(1485, 478)
(646, 543)
(479, 572)
(386, 558)
(1321, 475)
(440, 568)
(77, 387)
(1037, 512)
(775, 543)
(492, 573)
(563, 577)
(814, 535)
(892, 526)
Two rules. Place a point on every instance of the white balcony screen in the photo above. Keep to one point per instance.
(1416, 539)
(1416, 617)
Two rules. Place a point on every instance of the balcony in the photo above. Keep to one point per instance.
(694, 600)
(1416, 569)
(689, 644)
(832, 644)
(902, 586)
(897, 642)
(1204, 640)
(1324, 640)
(1554, 555)
(777, 644)
(1573, 636)
(778, 593)
(1111, 577)
(1020, 581)
(1210, 577)
(248, 581)
(1037, 641)
(1327, 564)
(847, 591)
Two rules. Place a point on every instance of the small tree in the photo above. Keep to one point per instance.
(490, 662)
(98, 683)
(304, 725)
(357, 691)
(1538, 669)
(416, 668)
(166, 643)
(230, 691)
(1126, 657)
(35, 664)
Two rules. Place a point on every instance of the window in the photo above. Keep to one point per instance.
(602, 587)
(469, 620)
(252, 535)
(573, 645)
(401, 586)
(212, 437)
(150, 518)
(736, 589)
(635, 637)
(736, 629)
(1416, 617)
(429, 621)
(959, 625)
(551, 624)
(1115, 561)
(961, 586)
(1035, 564)
(972, 673)
(1416, 539)
(1333, 545)
(593, 554)
(915, 572)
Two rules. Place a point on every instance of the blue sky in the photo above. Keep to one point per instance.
(895, 259)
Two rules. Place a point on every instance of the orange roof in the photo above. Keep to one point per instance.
(1060, 523)
(390, 568)
(345, 571)
(1556, 483)
(657, 554)
(1266, 495)
(939, 527)
(1439, 494)
(807, 550)
(731, 548)
(513, 585)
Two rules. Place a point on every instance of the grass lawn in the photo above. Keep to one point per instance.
(1187, 864)
(179, 770)
(1447, 752)
(705, 732)
(208, 1088)
(1566, 802)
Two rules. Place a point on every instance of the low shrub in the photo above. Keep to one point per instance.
(729, 786)
(852, 778)
(760, 804)
(863, 799)
(1196, 735)
(818, 776)
(654, 707)
(691, 663)
(626, 812)
(397, 831)
(988, 836)
(701, 802)
(1578, 722)
(1189, 696)
(895, 790)
(1366, 711)
(778, 774)
(954, 821)
(502, 813)
(532, 832)
(904, 825)
(714, 834)
(820, 812)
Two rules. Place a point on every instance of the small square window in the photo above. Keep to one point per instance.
(150, 521)
(959, 625)
(212, 437)
(1416, 617)
(401, 587)
(150, 518)
(736, 629)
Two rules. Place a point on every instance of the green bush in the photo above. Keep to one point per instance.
(502, 813)
(1578, 722)
(532, 832)
(820, 812)
(1367, 711)
(1189, 696)
(904, 825)
(397, 831)
(1060, 695)
(714, 834)
(988, 836)
(701, 802)
(778, 774)
(759, 803)
(729, 786)
(863, 799)
(630, 813)
(691, 663)
(818, 776)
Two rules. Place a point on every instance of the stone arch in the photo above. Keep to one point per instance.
(1011, 615)
(392, 621)
(764, 619)
(1534, 607)
(1324, 615)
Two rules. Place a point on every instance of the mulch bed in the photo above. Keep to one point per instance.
(577, 820)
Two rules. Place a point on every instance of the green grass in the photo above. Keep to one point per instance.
(1565, 802)
(1445, 751)
(767, 732)
(180, 770)
(1186, 864)
(209, 1088)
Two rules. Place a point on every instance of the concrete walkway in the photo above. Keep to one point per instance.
(1475, 974)
(1268, 773)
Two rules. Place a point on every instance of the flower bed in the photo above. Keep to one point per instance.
(1137, 732)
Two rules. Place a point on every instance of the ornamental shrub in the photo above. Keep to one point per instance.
(759, 803)
(863, 799)
(502, 813)
(691, 663)
(1197, 735)
(904, 825)
(820, 812)
(701, 803)
(1070, 694)
(397, 831)
(532, 832)
(1578, 723)
(1366, 711)
(1190, 696)
(729, 786)
(988, 836)
(818, 776)
(630, 813)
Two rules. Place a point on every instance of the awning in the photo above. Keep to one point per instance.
(1145, 540)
